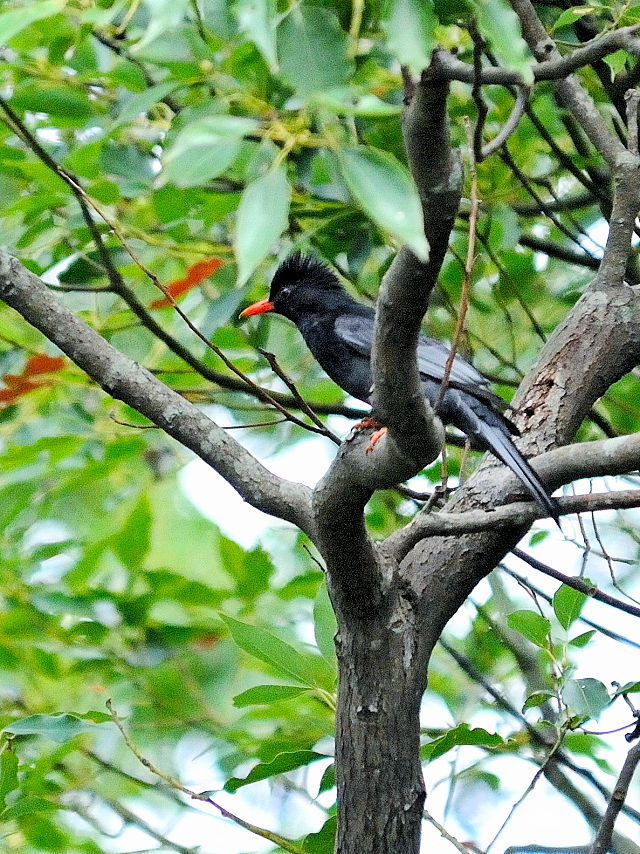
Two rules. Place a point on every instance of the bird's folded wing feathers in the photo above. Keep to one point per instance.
(356, 331)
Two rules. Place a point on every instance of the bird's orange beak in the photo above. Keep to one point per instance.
(257, 308)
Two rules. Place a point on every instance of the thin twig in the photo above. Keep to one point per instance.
(302, 403)
(442, 830)
(282, 841)
(556, 746)
(577, 584)
(468, 270)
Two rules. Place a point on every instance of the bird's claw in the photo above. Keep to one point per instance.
(375, 438)
(379, 432)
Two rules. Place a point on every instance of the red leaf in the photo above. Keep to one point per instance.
(16, 389)
(18, 385)
(42, 364)
(195, 274)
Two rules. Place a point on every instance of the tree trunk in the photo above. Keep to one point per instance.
(379, 776)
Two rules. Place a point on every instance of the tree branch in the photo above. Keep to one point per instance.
(570, 92)
(602, 841)
(449, 67)
(125, 380)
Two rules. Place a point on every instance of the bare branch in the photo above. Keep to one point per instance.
(510, 125)
(602, 842)
(577, 584)
(449, 67)
(125, 380)
(568, 89)
(407, 285)
(519, 514)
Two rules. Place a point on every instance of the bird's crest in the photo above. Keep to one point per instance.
(304, 269)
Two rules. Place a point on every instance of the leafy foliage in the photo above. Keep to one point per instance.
(209, 139)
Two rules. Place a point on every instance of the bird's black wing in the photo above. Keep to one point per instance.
(468, 403)
(357, 332)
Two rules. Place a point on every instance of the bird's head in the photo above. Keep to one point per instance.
(302, 285)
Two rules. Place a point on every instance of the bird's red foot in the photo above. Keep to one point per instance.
(370, 421)
(375, 438)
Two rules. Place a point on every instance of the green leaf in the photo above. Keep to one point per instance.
(459, 735)
(499, 24)
(28, 805)
(63, 102)
(313, 49)
(264, 695)
(538, 537)
(282, 763)
(263, 214)
(567, 604)
(8, 773)
(386, 192)
(532, 625)
(582, 640)
(132, 542)
(328, 780)
(538, 698)
(585, 697)
(322, 842)
(204, 149)
(349, 102)
(628, 688)
(410, 33)
(141, 102)
(570, 16)
(257, 20)
(60, 728)
(325, 626)
(16, 20)
(270, 649)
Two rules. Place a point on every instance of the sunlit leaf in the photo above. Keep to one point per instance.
(582, 640)
(567, 605)
(273, 651)
(282, 763)
(262, 217)
(586, 697)
(15, 20)
(385, 190)
(28, 806)
(266, 694)
(459, 735)
(313, 49)
(257, 20)
(532, 625)
(410, 32)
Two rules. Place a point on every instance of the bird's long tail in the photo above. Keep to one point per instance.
(485, 429)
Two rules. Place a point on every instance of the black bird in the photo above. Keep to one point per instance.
(339, 332)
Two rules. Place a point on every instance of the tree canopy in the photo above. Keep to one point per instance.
(157, 160)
